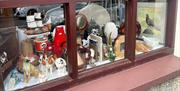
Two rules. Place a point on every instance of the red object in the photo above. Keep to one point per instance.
(41, 44)
(59, 42)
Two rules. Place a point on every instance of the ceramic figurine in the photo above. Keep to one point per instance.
(30, 70)
(59, 42)
(112, 56)
(89, 56)
(85, 43)
(110, 28)
(61, 65)
(48, 63)
(14, 80)
(3, 58)
(11, 83)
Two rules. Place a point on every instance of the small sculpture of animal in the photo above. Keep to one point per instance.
(61, 65)
(47, 64)
(30, 70)
(149, 21)
(3, 58)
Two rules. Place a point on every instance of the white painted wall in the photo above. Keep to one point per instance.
(177, 38)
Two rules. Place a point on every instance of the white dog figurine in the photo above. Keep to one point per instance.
(47, 64)
(61, 65)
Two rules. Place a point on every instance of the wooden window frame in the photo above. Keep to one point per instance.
(130, 60)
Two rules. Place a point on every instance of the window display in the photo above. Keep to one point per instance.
(152, 19)
(100, 39)
(41, 36)
(56, 44)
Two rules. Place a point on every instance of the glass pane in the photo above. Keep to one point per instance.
(100, 32)
(38, 52)
(151, 22)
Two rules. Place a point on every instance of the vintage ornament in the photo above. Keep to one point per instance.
(47, 64)
(3, 58)
(41, 44)
(81, 22)
(112, 56)
(14, 79)
(110, 28)
(59, 42)
(30, 70)
(98, 12)
(61, 65)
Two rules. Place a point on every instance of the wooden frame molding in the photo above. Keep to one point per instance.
(130, 60)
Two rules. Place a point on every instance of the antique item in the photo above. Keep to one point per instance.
(61, 65)
(81, 22)
(111, 55)
(59, 42)
(149, 21)
(97, 12)
(40, 44)
(47, 64)
(110, 28)
(14, 79)
(30, 70)
(34, 21)
(3, 58)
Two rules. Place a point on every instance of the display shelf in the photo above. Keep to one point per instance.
(33, 81)
(99, 63)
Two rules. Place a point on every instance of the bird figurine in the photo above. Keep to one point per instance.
(149, 21)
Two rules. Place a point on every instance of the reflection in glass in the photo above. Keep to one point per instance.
(152, 19)
(100, 33)
(41, 36)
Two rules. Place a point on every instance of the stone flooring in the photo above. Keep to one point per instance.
(171, 85)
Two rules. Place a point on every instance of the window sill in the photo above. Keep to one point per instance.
(138, 78)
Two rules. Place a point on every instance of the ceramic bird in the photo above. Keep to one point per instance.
(149, 21)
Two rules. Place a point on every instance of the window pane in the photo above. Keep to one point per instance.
(100, 32)
(38, 53)
(152, 19)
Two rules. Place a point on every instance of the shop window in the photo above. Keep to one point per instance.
(100, 33)
(40, 34)
(85, 39)
(151, 25)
